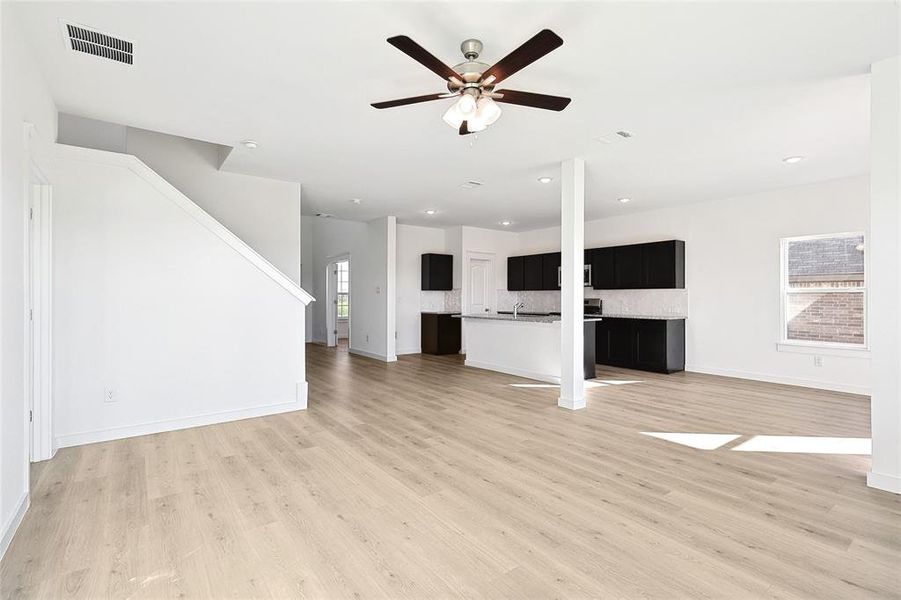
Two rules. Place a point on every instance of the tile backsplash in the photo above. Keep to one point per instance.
(439, 301)
(624, 302)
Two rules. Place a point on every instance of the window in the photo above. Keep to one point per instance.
(824, 290)
(343, 287)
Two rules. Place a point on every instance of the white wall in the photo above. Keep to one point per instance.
(24, 98)
(151, 304)
(412, 242)
(732, 274)
(264, 213)
(306, 273)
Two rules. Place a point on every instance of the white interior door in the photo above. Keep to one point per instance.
(480, 275)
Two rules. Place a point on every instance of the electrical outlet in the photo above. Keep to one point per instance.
(109, 395)
(818, 361)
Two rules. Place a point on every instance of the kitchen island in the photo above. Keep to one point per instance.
(527, 345)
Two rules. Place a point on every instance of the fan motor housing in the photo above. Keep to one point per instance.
(471, 70)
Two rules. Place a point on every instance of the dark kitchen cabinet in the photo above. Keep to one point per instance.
(440, 333)
(663, 264)
(628, 267)
(655, 265)
(614, 342)
(437, 272)
(645, 344)
(550, 269)
(531, 272)
(515, 280)
(603, 268)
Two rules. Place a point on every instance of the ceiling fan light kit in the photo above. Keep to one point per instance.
(473, 82)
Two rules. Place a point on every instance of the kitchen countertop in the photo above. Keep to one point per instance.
(439, 312)
(521, 318)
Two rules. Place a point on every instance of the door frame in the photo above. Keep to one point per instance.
(331, 295)
(38, 310)
(492, 278)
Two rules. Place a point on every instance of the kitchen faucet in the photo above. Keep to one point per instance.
(516, 308)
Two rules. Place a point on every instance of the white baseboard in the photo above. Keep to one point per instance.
(368, 354)
(546, 377)
(769, 378)
(571, 404)
(118, 433)
(884, 482)
(12, 524)
(406, 351)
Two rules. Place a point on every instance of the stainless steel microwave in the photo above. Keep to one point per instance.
(586, 276)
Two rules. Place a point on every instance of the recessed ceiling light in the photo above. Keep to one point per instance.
(250, 144)
(792, 159)
(356, 200)
(431, 211)
(506, 223)
(545, 179)
(624, 200)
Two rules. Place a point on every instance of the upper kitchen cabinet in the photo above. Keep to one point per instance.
(663, 264)
(515, 281)
(550, 271)
(531, 269)
(628, 267)
(603, 268)
(655, 265)
(437, 272)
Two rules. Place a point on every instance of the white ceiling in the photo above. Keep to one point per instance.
(715, 94)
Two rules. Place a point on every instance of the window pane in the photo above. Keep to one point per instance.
(343, 277)
(836, 262)
(835, 317)
(343, 309)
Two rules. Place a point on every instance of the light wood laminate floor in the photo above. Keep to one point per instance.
(427, 479)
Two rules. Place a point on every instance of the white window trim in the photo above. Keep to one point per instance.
(826, 348)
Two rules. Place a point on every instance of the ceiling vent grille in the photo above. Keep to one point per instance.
(82, 39)
(471, 184)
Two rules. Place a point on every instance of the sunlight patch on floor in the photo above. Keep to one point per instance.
(701, 441)
(806, 444)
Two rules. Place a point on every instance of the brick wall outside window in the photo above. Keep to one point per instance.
(835, 264)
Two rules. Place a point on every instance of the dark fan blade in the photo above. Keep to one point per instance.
(542, 43)
(405, 101)
(422, 56)
(533, 100)
(464, 128)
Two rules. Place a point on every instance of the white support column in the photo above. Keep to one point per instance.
(884, 249)
(391, 288)
(572, 237)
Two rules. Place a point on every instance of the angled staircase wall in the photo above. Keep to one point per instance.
(158, 304)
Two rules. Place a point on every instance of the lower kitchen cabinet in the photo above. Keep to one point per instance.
(656, 345)
(440, 333)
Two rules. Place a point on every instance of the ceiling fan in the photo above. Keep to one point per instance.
(473, 83)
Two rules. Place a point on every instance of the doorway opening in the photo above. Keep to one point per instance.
(338, 306)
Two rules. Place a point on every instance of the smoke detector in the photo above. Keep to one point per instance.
(87, 40)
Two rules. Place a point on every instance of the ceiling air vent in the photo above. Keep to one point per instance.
(89, 41)
(470, 184)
